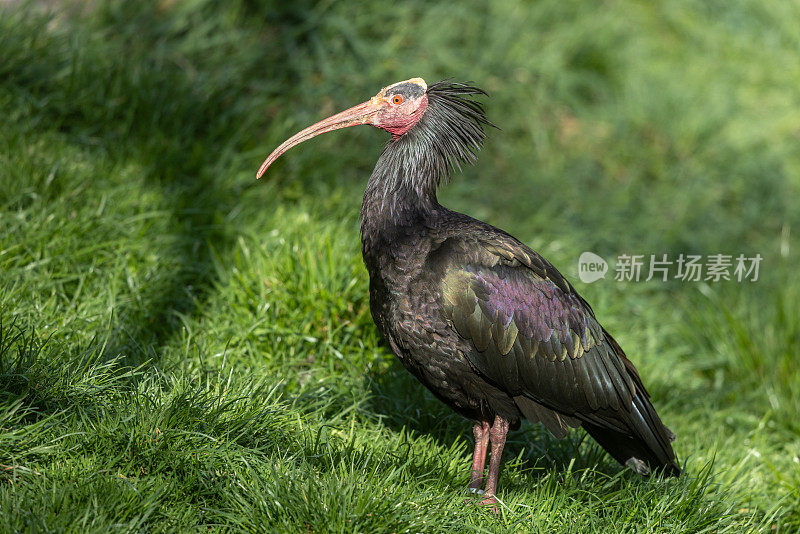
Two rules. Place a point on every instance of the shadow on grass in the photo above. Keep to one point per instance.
(180, 119)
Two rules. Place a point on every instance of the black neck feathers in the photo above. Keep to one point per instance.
(402, 188)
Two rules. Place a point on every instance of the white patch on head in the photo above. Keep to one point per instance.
(419, 81)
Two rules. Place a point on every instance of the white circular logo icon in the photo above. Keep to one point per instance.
(591, 267)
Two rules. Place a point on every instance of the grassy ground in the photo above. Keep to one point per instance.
(183, 347)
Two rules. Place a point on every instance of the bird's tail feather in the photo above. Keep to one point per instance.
(646, 446)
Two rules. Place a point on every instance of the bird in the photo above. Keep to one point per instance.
(488, 325)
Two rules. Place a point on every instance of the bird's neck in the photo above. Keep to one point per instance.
(401, 193)
(398, 197)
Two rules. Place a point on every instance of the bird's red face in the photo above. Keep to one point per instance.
(400, 106)
(395, 109)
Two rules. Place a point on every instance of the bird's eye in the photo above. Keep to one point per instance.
(397, 99)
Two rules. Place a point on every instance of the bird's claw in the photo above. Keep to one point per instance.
(492, 502)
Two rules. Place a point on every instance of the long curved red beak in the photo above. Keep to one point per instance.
(357, 115)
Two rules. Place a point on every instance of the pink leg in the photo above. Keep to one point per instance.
(481, 431)
(497, 435)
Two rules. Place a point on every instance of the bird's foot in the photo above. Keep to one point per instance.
(474, 492)
(490, 502)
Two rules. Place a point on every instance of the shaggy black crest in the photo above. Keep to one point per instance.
(449, 134)
(458, 122)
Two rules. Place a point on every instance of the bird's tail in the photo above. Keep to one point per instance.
(646, 446)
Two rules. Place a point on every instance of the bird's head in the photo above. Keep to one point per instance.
(396, 108)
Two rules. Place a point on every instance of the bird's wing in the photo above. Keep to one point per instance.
(534, 336)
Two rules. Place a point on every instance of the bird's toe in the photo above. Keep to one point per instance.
(490, 503)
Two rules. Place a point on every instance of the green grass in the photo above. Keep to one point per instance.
(184, 348)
